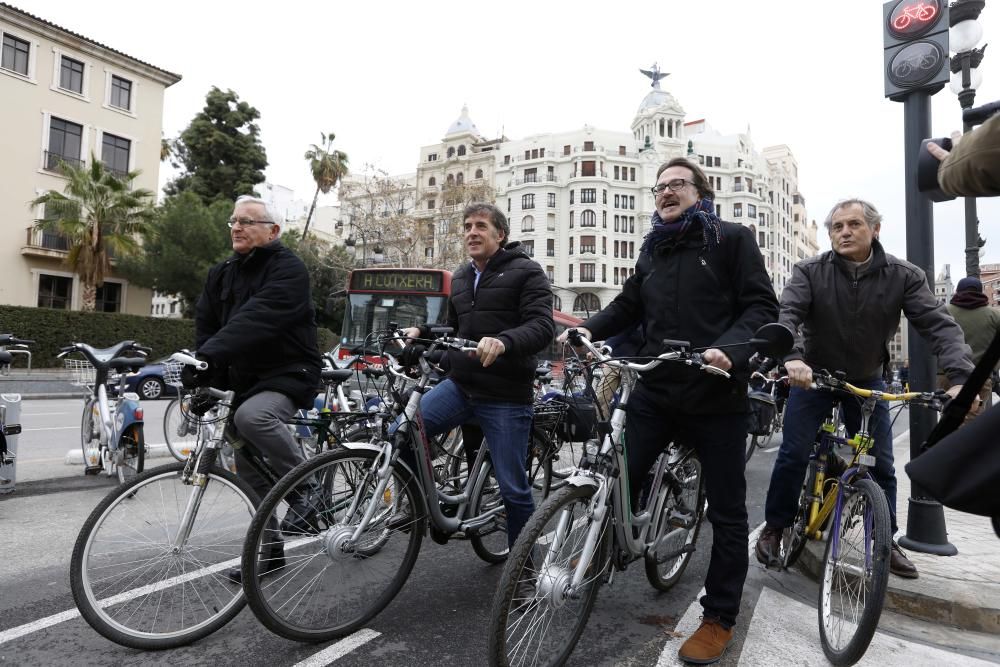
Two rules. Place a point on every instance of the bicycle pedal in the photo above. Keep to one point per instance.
(92, 470)
(681, 519)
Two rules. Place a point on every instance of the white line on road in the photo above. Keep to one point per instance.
(48, 621)
(40, 414)
(51, 428)
(340, 649)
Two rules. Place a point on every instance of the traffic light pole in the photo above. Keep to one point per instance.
(925, 527)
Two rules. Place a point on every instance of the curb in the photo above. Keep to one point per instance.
(41, 487)
(64, 394)
(962, 607)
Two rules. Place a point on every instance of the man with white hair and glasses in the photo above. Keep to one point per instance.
(255, 326)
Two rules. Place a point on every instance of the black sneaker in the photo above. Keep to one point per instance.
(275, 562)
(768, 547)
(301, 517)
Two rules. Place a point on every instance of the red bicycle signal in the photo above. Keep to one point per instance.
(911, 18)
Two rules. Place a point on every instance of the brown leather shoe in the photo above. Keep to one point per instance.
(768, 547)
(707, 644)
(900, 565)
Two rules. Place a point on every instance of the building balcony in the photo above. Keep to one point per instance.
(537, 178)
(53, 162)
(430, 190)
(42, 243)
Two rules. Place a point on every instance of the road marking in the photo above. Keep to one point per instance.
(70, 614)
(688, 623)
(39, 414)
(340, 649)
(50, 428)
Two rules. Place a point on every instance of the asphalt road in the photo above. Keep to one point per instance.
(439, 618)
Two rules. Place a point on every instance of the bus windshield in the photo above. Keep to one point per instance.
(373, 312)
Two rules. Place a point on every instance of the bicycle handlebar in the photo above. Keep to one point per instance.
(188, 360)
(11, 339)
(931, 399)
(690, 358)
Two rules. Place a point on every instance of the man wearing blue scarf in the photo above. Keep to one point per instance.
(701, 280)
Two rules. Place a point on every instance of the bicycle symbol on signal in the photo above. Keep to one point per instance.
(921, 12)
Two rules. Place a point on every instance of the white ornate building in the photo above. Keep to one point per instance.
(580, 201)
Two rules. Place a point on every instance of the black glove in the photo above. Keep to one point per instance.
(410, 356)
(192, 378)
(200, 404)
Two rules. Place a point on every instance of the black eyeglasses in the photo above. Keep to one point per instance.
(247, 222)
(675, 185)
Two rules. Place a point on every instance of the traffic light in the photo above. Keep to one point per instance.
(915, 37)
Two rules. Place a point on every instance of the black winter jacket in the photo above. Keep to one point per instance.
(707, 297)
(255, 318)
(513, 303)
(847, 320)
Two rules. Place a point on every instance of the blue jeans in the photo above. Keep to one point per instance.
(507, 429)
(804, 413)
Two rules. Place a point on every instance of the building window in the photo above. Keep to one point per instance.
(121, 93)
(550, 247)
(431, 204)
(617, 168)
(115, 154)
(431, 181)
(529, 247)
(588, 219)
(588, 196)
(737, 210)
(571, 194)
(432, 157)
(588, 244)
(588, 167)
(617, 201)
(631, 225)
(429, 252)
(760, 239)
(71, 75)
(570, 245)
(460, 179)
(588, 145)
(54, 292)
(550, 222)
(550, 273)
(552, 199)
(631, 249)
(586, 302)
(15, 54)
(461, 150)
(451, 151)
(527, 224)
(527, 201)
(616, 248)
(479, 173)
(570, 268)
(109, 298)
(604, 219)
(718, 210)
(752, 210)
(506, 159)
(604, 245)
(587, 275)
(64, 143)
(631, 202)
(566, 150)
(616, 223)
(531, 175)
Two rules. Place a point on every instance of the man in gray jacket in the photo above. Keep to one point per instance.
(847, 303)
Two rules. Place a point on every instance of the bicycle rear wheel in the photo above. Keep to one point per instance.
(130, 581)
(88, 429)
(180, 434)
(131, 453)
(852, 590)
(328, 584)
(677, 525)
(793, 538)
(536, 619)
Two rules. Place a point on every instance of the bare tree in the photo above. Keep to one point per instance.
(449, 249)
(379, 211)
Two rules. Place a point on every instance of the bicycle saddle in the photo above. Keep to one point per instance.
(336, 375)
(5, 357)
(101, 357)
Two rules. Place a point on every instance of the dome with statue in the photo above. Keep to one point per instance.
(463, 124)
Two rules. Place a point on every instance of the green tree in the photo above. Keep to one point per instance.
(185, 240)
(100, 216)
(220, 150)
(328, 266)
(328, 166)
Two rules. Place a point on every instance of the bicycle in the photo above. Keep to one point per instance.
(585, 531)
(766, 411)
(149, 566)
(111, 416)
(353, 554)
(845, 505)
(6, 357)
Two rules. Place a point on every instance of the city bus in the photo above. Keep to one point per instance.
(408, 297)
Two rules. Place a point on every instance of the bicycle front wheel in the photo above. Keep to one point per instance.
(327, 583)
(88, 429)
(537, 616)
(180, 434)
(140, 586)
(677, 525)
(131, 453)
(855, 575)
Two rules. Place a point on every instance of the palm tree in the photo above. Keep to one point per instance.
(328, 167)
(100, 217)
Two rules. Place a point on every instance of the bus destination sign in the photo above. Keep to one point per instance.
(395, 281)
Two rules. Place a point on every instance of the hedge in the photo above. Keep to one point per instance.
(52, 329)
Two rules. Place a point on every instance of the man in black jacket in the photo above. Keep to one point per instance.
(701, 280)
(847, 302)
(501, 299)
(255, 327)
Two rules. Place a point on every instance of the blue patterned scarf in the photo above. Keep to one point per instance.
(703, 211)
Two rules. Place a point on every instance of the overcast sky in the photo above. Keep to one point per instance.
(388, 77)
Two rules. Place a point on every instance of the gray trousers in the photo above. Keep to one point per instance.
(260, 420)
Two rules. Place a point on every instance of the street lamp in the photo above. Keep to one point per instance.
(964, 34)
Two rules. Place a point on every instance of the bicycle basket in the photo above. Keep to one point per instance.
(172, 373)
(548, 416)
(580, 421)
(761, 412)
(81, 371)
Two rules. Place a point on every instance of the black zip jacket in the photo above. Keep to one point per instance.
(513, 303)
(255, 319)
(710, 298)
(848, 316)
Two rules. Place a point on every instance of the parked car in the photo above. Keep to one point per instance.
(148, 382)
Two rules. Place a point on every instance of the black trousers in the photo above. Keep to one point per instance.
(719, 441)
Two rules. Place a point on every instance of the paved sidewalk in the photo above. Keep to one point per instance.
(961, 590)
